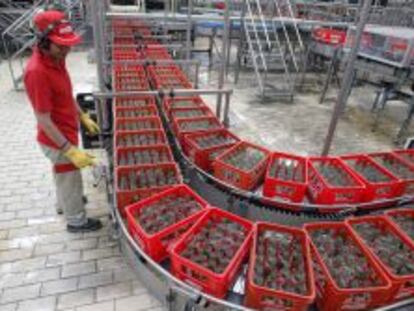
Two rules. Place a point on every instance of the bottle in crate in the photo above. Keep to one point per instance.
(158, 221)
(203, 148)
(280, 274)
(391, 249)
(347, 276)
(399, 168)
(210, 254)
(379, 183)
(330, 181)
(138, 182)
(242, 166)
(286, 177)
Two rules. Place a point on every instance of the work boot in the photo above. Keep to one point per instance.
(91, 224)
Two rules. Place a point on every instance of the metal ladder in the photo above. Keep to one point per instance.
(18, 37)
(270, 46)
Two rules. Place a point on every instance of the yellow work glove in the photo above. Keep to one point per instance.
(91, 127)
(80, 158)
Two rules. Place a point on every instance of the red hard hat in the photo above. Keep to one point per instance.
(59, 29)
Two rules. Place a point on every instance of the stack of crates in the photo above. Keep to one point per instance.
(143, 160)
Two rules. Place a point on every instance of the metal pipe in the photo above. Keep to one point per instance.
(224, 47)
(196, 74)
(189, 28)
(97, 45)
(177, 92)
(347, 79)
(194, 62)
(226, 117)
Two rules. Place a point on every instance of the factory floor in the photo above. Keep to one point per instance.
(42, 267)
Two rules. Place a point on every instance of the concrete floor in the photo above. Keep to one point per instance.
(42, 267)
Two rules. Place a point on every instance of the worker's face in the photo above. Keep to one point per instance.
(59, 52)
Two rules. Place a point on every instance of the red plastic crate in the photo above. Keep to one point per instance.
(127, 197)
(407, 213)
(246, 180)
(321, 192)
(331, 297)
(260, 297)
(180, 113)
(126, 84)
(150, 123)
(402, 286)
(167, 76)
(406, 155)
(406, 171)
(180, 130)
(374, 190)
(155, 54)
(122, 152)
(135, 112)
(202, 156)
(157, 244)
(140, 138)
(134, 102)
(192, 273)
(329, 36)
(170, 103)
(287, 188)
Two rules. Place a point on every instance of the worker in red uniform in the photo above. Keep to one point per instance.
(49, 89)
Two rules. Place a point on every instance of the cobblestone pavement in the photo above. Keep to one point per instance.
(43, 267)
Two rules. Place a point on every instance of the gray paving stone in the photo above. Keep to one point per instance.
(107, 241)
(24, 232)
(124, 274)
(4, 234)
(138, 287)
(136, 303)
(63, 258)
(15, 254)
(40, 304)
(78, 269)
(112, 263)
(48, 249)
(99, 253)
(82, 244)
(8, 244)
(7, 216)
(12, 224)
(29, 213)
(29, 264)
(101, 306)
(113, 291)
(11, 279)
(74, 299)
(8, 307)
(59, 286)
(42, 275)
(95, 279)
(20, 293)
